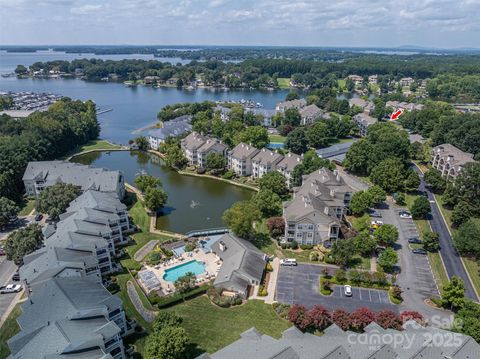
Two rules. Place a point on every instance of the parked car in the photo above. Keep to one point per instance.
(415, 240)
(10, 288)
(16, 277)
(405, 215)
(38, 217)
(376, 224)
(347, 290)
(375, 214)
(288, 262)
(420, 251)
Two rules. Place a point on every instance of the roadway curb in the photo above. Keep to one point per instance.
(12, 305)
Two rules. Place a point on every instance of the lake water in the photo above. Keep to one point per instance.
(193, 202)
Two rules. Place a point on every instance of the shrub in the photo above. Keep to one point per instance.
(190, 247)
(201, 170)
(276, 226)
(319, 317)
(361, 317)
(306, 246)
(297, 314)
(281, 309)
(341, 318)
(268, 267)
(294, 245)
(328, 258)
(388, 319)
(283, 245)
(170, 300)
(355, 276)
(228, 175)
(314, 256)
(154, 258)
(340, 275)
(407, 315)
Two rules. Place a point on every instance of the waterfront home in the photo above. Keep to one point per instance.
(405, 106)
(286, 105)
(265, 114)
(41, 174)
(174, 128)
(190, 146)
(364, 105)
(450, 160)
(240, 159)
(315, 213)
(336, 343)
(265, 161)
(406, 81)
(223, 111)
(362, 120)
(357, 80)
(335, 152)
(287, 165)
(211, 145)
(310, 114)
(242, 265)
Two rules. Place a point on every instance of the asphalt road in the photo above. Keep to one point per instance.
(7, 269)
(451, 259)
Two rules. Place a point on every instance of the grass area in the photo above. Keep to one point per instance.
(8, 330)
(27, 207)
(374, 87)
(283, 82)
(277, 138)
(211, 327)
(93, 145)
(447, 213)
(359, 262)
(474, 271)
(342, 84)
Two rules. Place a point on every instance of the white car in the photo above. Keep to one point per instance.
(288, 262)
(347, 290)
(10, 288)
(405, 215)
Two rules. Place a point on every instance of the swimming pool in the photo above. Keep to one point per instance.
(275, 145)
(172, 274)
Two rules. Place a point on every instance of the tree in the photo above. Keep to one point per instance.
(292, 95)
(144, 181)
(268, 202)
(215, 161)
(275, 182)
(461, 213)
(22, 242)
(467, 320)
(341, 318)
(292, 117)
(343, 251)
(311, 162)
(319, 317)
(377, 194)
(166, 319)
(55, 199)
(240, 217)
(21, 70)
(8, 210)
(365, 244)
(420, 208)
(431, 242)
(185, 283)
(174, 156)
(435, 181)
(466, 187)
(407, 315)
(155, 198)
(388, 319)
(317, 135)
(387, 234)
(467, 238)
(297, 314)
(142, 143)
(411, 182)
(276, 226)
(361, 202)
(389, 175)
(167, 343)
(361, 317)
(453, 294)
(297, 141)
(388, 259)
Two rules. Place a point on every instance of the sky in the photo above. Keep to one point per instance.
(357, 23)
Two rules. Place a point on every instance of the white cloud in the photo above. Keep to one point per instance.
(86, 9)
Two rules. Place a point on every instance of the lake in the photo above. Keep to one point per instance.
(193, 202)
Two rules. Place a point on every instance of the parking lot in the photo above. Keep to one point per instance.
(300, 285)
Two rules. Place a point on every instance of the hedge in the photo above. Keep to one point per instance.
(178, 297)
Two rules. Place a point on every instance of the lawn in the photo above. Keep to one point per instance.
(277, 138)
(283, 82)
(8, 330)
(27, 207)
(94, 145)
(212, 328)
(341, 85)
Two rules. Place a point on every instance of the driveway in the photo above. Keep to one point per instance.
(300, 285)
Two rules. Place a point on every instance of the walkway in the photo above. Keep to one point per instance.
(142, 252)
(272, 283)
(147, 314)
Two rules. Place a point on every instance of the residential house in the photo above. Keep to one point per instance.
(211, 145)
(310, 114)
(223, 111)
(373, 79)
(315, 213)
(174, 128)
(406, 81)
(335, 152)
(450, 160)
(405, 106)
(41, 174)
(357, 80)
(190, 146)
(366, 106)
(362, 120)
(265, 114)
(286, 105)
(373, 342)
(242, 265)
(265, 161)
(287, 165)
(240, 159)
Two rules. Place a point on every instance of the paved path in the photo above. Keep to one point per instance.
(272, 283)
(147, 314)
(142, 252)
(453, 263)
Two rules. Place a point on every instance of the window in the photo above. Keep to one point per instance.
(310, 227)
(310, 235)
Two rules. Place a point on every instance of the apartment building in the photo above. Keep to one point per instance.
(450, 160)
(287, 165)
(190, 146)
(286, 105)
(357, 80)
(310, 114)
(366, 106)
(211, 145)
(265, 161)
(362, 120)
(240, 159)
(173, 128)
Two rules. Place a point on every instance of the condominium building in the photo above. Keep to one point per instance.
(287, 165)
(310, 114)
(211, 145)
(362, 120)
(265, 161)
(286, 105)
(450, 160)
(240, 159)
(190, 146)
(173, 128)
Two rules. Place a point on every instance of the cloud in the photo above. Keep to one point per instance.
(86, 9)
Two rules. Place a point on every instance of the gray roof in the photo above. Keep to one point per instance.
(298, 104)
(267, 157)
(457, 156)
(311, 111)
(241, 263)
(335, 150)
(266, 113)
(86, 177)
(243, 151)
(101, 201)
(411, 343)
(222, 109)
(173, 128)
(304, 205)
(193, 141)
(365, 119)
(289, 161)
(212, 144)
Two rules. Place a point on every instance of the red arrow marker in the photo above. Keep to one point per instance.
(395, 115)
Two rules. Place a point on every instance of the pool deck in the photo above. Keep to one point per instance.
(211, 261)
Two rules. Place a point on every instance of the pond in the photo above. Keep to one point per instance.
(194, 203)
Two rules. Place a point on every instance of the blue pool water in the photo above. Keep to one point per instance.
(174, 273)
(275, 145)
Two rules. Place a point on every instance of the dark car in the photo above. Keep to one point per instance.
(414, 240)
(375, 214)
(420, 251)
(38, 217)
(16, 277)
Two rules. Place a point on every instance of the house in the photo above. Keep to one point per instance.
(310, 114)
(174, 128)
(265, 161)
(362, 121)
(265, 114)
(318, 206)
(190, 146)
(405, 106)
(450, 160)
(211, 145)
(357, 80)
(287, 165)
(373, 79)
(286, 105)
(406, 81)
(366, 106)
(223, 111)
(242, 265)
(374, 342)
(335, 152)
(41, 174)
(240, 159)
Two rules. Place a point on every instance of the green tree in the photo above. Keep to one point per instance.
(275, 182)
(215, 161)
(185, 283)
(431, 242)
(365, 244)
(155, 198)
(343, 251)
(142, 143)
(377, 194)
(461, 213)
(311, 163)
(420, 208)
(145, 181)
(166, 319)
(174, 157)
(292, 95)
(467, 238)
(317, 135)
(292, 117)
(388, 259)
(8, 209)
(435, 181)
(55, 199)
(22, 242)
(21, 70)
(467, 320)
(389, 175)
(411, 182)
(257, 136)
(387, 234)
(453, 296)
(297, 141)
(361, 202)
(167, 343)
(466, 187)
(268, 202)
(241, 216)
